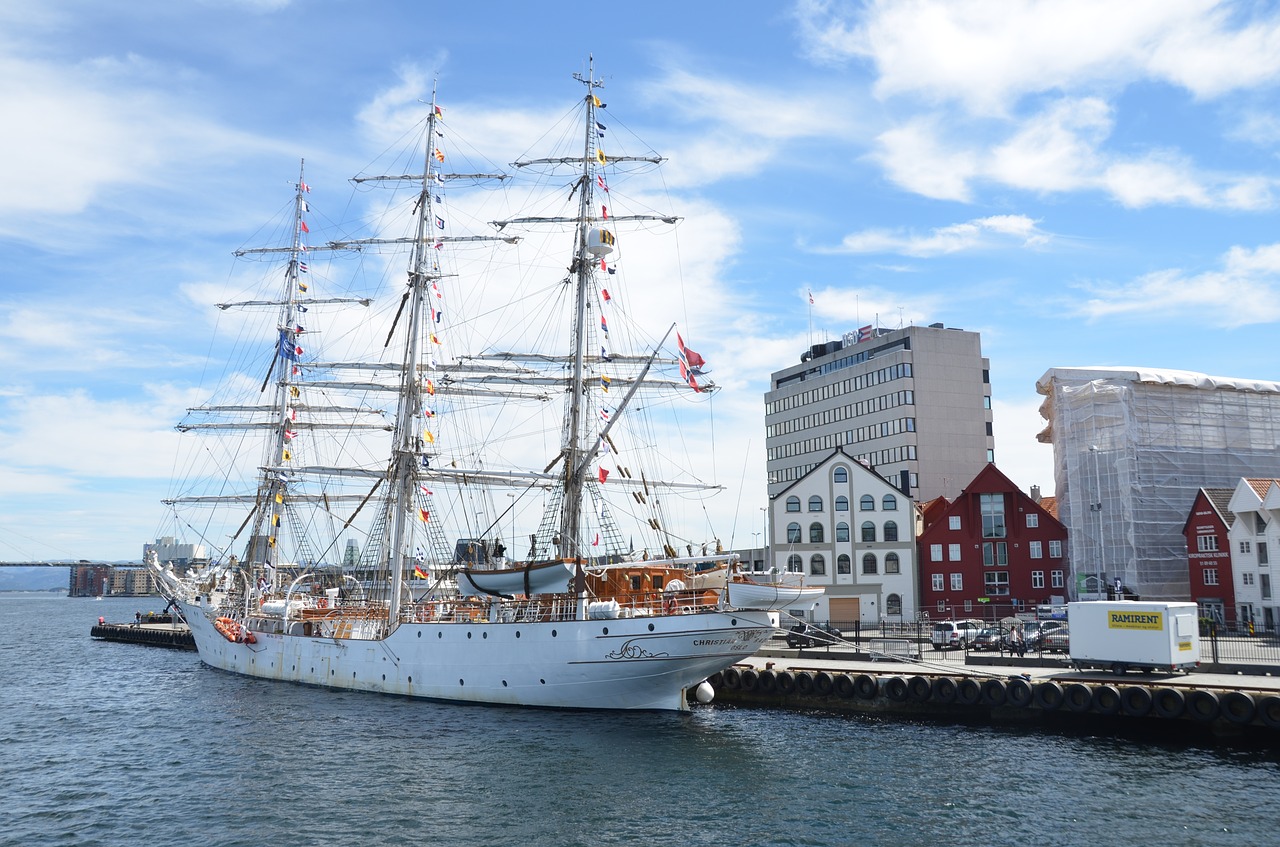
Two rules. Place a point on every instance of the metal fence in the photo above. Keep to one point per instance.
(1218, 645)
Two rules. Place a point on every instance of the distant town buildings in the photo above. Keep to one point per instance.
(1132, 448)
(169, 550)
(849, 530)
(914, 404)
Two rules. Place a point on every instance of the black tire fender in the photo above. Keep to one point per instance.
(944, 689)
(1019, 692)
(895, 688)
(866, 687)
(1135, 701)
(919, 689)
(1238, 707)
(1106, 700)
(1203, 705)
(1048, 696)
(1079, 697)
(1168, 702)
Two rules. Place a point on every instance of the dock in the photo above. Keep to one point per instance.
(175, 635)
(1217, 704)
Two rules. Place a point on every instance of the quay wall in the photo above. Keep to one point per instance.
(1184, 703)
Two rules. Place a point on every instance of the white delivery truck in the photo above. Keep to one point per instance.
(1120, 635)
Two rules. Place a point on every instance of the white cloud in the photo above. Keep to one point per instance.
(1244, 290)
(987, 55)
(977, 234)
(921, 157)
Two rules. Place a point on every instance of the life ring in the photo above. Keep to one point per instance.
(1169, 702)
(1135, 701)
(322, 603)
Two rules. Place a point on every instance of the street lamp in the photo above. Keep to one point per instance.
(1096, 508)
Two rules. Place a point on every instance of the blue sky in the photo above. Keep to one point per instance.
(1084, 183)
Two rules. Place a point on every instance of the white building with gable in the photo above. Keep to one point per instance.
(850, 531)
(1255, 537)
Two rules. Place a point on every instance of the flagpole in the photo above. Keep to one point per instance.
(810, 317)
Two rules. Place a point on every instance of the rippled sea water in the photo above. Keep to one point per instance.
(110, 744)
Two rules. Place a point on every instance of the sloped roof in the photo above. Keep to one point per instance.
(1260, 486)
(1050, 505)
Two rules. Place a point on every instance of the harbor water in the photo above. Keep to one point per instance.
(116, 744)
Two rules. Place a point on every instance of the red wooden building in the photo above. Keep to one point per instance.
(990, 553)
(1209, 554)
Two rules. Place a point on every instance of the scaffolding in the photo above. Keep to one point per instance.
(1131, 448)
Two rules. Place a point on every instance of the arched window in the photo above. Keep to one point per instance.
(867, 503)
(889, 503)
(869, 563)
(795, 564)
(842, 503)
(793, 504)
(842, 531)
(844, 564)
(892, 603)
(793, 533)
(815, 503)
(815, 533)
(841, 475)
(868, 531)
(891, 564)
(817, 564)
(890, 530)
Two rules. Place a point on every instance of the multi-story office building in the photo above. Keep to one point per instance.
(1132, 447)
(914, 404)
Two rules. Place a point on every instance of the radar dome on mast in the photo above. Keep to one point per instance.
(599, 242)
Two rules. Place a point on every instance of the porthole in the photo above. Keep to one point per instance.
(468, 633)
(419, 633)
(484, 635)
(606, 630)
(517, 633)
(460, 682)
(651, 627)
(553, 633)
(504, 683)
(411, 680)
(384, 677)
(440, 633)
(543, 681)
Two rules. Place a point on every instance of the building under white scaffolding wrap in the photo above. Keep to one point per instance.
(1131, 446)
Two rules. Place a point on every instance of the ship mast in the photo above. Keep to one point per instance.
(583, 269)
(407, 444)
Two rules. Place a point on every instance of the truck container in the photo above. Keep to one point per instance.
(1120, 635)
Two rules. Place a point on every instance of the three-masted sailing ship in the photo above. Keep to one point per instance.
(425, 599)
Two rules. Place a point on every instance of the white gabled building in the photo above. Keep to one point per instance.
(851, 532)
(1255, 538)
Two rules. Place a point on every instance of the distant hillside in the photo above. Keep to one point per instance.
(33, 579)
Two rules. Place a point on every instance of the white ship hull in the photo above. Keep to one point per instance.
(637, 663)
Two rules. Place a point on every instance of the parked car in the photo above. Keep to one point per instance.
(1032, 633)
(954, 634)
(813, 635)
(1056, 641)
(991, 638)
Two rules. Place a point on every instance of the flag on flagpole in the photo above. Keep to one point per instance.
(424, 514)
(304, 187)
(420, 573)
(302, 225)
(604, 474)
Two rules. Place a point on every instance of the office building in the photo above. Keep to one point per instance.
(914, 404)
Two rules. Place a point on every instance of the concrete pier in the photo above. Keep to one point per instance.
(1219, 704)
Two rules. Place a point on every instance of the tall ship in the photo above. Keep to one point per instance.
(379, 443)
